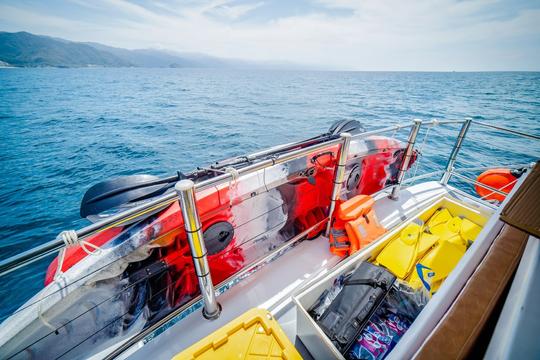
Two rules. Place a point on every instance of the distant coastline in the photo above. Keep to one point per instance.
(26, 50)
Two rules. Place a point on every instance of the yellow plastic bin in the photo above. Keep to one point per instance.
(253, 335)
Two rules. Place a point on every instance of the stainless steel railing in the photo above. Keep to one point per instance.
(455, 151)
(447, 173)
(193, 227)
(339, 177)
(452, 171)
(506, 130)
(394, 195)
(163, 201)
(338, 181)
(48, 248)
(190, 217)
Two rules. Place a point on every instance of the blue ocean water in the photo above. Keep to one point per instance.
(63, 130)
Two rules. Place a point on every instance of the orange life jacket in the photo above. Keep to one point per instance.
(355, 226)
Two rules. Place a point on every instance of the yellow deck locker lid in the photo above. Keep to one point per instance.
(253, 335)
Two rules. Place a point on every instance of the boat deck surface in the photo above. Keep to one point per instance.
(269, 285)
(272, 286)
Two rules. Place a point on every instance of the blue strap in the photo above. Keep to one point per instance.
(419, 268)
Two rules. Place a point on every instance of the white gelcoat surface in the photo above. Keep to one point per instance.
(516, 333)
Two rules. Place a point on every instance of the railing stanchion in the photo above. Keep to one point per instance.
(338, 177)
(406, 159)
(453, 155)
(192, 224)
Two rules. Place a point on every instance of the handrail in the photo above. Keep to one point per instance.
(170, 319)
(193, 227)
(455, 151)
(423, 176)
(500, 128)
(483, 168)
(29, 256)
(407, 156)
(405, 126)
(339, 178)
(43, 250)
(443, 122)
(34, 254)
(161, 202)
(452, 171)
(379, 131)
(37, 253)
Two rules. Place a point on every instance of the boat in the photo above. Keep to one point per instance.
(184, 266)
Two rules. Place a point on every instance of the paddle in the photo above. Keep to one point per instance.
(127, 189)
(113, 193)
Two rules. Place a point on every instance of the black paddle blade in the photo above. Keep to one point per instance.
(110, 194)
(350, 126)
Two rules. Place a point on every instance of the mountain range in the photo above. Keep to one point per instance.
(23, 49)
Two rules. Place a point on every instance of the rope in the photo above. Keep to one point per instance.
(70, 239)
(233, 184)
(500, 189)
(42, 318)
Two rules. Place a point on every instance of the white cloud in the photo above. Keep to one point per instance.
(376, 35)
(234, 12)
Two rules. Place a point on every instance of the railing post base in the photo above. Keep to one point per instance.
(213, 316)
(394, 194)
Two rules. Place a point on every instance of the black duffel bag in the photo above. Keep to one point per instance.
(362, 293)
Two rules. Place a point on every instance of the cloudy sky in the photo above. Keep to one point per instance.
(341, 34)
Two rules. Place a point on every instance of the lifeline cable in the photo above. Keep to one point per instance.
(421, 147)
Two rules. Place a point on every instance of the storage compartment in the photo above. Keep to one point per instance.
(253, 335)
(454, 229)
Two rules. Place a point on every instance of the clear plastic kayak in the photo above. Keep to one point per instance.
(136, 274)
